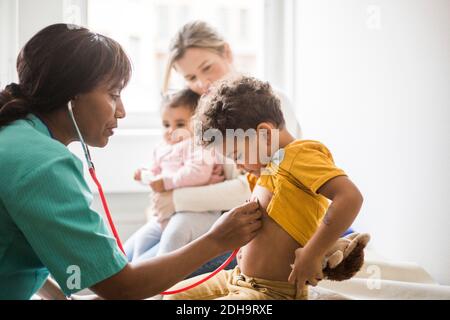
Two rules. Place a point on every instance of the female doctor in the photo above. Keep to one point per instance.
(46, 224)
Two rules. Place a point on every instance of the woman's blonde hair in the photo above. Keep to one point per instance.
(195, 34)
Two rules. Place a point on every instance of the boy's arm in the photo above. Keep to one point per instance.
(346, 203)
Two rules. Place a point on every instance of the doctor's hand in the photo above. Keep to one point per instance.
(237, 227)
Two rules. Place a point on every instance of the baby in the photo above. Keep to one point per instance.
(294, 180)
(176, 163)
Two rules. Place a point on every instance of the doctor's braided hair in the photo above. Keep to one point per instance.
(58, 63)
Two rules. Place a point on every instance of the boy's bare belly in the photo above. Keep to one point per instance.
(271, 252)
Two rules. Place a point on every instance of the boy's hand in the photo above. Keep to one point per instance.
(307, 269)
(157, 185)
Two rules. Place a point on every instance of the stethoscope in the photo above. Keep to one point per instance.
(91, 169)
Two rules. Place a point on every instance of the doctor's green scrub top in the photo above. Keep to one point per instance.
(46, 224)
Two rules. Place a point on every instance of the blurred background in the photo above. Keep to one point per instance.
(370, 79)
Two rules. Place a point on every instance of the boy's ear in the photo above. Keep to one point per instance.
(265, 129)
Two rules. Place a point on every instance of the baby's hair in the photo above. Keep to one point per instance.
(185, 98)
(239, 103)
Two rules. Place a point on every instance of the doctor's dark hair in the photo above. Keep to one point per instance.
(58, 63)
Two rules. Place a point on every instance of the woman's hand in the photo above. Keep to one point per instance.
(161, 204)
(307, 269)
(218, 174)
(237, 227)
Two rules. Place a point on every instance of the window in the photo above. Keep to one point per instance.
(8, 41)
(145, 27)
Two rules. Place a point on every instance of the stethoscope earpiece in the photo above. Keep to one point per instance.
(87, 155)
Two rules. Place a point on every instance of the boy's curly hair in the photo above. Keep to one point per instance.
(239, 103)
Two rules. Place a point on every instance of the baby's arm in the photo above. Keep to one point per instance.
(155, 166)
(145, 176)
(346, 203)
(196, 171)
(190, 175)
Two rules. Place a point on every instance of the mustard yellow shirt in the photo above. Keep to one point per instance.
(294, 175)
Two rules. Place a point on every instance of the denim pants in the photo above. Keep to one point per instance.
(183, 227)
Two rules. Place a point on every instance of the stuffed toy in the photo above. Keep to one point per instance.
(346, 257)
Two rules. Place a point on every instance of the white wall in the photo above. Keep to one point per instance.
(49, 12)
(35, 15)
(372, 82)
(115, 164)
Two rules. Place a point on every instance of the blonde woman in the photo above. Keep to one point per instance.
(202, 56)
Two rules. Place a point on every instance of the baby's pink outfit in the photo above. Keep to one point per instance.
(185, 164)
